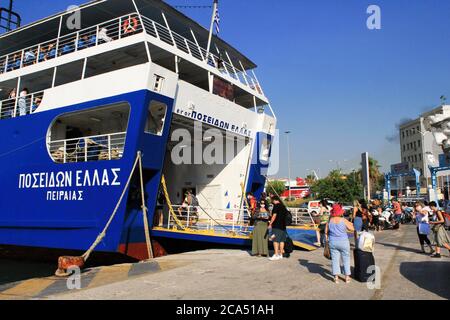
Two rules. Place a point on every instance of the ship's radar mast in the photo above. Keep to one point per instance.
(9, 19)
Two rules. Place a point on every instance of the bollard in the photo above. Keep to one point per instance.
(66, 262)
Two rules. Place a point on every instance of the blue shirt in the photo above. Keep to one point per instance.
(337, 231)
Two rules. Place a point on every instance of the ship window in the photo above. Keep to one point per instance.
(265, 150)
(89, 135)
(159, 82)
(156, 118)
(69, 72)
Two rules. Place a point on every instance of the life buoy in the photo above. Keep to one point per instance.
(130, 25)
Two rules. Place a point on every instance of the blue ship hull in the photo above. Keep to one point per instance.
(59, 217)
(29, 218)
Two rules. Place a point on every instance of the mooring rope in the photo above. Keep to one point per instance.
(102, 235)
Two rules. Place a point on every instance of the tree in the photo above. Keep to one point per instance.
(376, 177)
(276, 186)
(338, 187)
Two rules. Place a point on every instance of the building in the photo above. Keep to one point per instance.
(419, 149)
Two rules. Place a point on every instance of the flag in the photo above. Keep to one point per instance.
(217, 20)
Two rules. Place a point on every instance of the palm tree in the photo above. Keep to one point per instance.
(376, 177)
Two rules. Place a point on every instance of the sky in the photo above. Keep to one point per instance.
(340, 88)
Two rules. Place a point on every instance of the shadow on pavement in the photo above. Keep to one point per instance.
(316, 268)
(432, 276)
(400, 247)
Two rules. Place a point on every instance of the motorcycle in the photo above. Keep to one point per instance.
(388, 220)
(407, 217)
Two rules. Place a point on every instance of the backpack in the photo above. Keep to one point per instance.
(195, 202)
(288, 217)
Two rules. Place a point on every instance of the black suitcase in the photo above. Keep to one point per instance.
(363, 260)
(288, 246)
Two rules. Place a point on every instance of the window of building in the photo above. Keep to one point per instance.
(404, 159)
(415, 158)
(403, 134)
(156, 118)
(415, 145)
(404, 147)
(420, 157)
(418, 143)
(90, 135)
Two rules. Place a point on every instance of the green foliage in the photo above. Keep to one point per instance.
(277, 186)
(338, 187)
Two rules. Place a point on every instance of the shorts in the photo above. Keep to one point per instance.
(358, 224)
(280, 235)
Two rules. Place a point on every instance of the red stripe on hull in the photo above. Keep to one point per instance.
(138, 250)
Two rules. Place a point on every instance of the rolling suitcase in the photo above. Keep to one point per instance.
(363, 260)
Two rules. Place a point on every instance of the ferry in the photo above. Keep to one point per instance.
(81, 104)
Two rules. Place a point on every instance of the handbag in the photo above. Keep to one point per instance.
(424, 228)
(326, 251)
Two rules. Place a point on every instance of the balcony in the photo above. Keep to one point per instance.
(20, 106)
(119, 28)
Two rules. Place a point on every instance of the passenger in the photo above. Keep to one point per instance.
(377, 212)
(366, 217)
(260, 240)
(160, 202)
(12, 94)
(89, 147)
(14, 63)
(397, 212)
(188, 209)
(51, 52)
(440, 235)
(357, 218)
(42, 55)
(29, 57)
(423, 227)
(278, 226)
(324, 217)
(92, 41)
(252, 204)
(36, 104)
(22, 102)
(337, 237)
(83, 42)
(69, 47)
(103, 36)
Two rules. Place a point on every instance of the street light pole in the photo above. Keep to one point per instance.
(289, 162)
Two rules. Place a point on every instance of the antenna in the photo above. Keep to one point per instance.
(9, 19)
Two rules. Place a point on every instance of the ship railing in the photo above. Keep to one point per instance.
(300, 217)
(104, 32)
(189, 47)
(194, 218)
(20, 106)
(119, 28)
(85, 149)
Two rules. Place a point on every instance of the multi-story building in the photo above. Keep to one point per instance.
(418, 147)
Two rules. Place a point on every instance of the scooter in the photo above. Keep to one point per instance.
(388, 220)
(407, 217)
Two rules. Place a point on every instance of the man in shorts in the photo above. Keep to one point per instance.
(278, 226)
